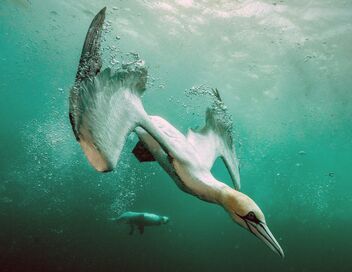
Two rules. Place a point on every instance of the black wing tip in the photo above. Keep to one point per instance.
(100, 16)
(216, 93)
(102, 12)
(90, 62)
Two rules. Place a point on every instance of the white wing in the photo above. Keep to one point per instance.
(103, 111)
(199, 148)
(104, 106)
(215, 140)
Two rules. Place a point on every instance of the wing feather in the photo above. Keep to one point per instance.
(105, 106)
(215, 139)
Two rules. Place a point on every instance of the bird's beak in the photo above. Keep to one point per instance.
(262, 231)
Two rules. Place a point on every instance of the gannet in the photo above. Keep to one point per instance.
(189, 159)
(141, 220)
(105, 107)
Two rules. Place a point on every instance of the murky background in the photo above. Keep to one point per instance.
(284, 71)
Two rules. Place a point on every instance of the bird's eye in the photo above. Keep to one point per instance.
(251, 215)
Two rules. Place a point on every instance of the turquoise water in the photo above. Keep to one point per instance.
(284, 71)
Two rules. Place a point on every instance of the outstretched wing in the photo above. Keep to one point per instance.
(215, 139)
(90, 63)
(106, 109)
(104, 106)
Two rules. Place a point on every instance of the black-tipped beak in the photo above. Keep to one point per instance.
(262, 231)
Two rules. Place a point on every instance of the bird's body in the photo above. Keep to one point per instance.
(106, 106)
(187, 164)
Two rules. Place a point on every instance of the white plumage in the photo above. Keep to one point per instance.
(105, 107)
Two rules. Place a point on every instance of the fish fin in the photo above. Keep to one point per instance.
(142, 153)
(119, 220)
(141, 229)
(131, 229)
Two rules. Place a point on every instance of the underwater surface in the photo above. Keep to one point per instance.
(284, 72)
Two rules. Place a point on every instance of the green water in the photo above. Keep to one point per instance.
(284, 71)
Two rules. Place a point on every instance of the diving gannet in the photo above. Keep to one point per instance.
(189, 159)
(141, 220)
(105, 107)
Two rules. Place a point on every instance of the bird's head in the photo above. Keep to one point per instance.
(245, 212)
